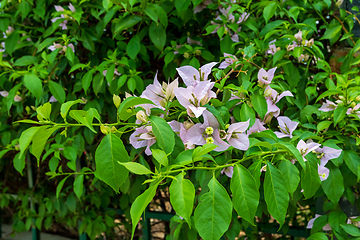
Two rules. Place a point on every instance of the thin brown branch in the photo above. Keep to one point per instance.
(343, 27)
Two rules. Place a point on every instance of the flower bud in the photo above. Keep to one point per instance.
(267, 93)
(198, 52)
(141, 115)
(357, 98)
(341, 98)
(353, 104)
(116, 101)
(113, 129)
(186, 55)
(105, 129)
(188, 124)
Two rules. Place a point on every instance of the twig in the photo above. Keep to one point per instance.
(343, 27)
(354, 16)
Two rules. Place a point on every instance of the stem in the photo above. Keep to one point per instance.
(226, 165)
(343, 27)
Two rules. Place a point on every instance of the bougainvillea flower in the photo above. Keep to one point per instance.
(63, 16)
(236, 137)
(272, 48)
(354, 110)
(298, 36)
(305, 148)
(228, 171)
(272, 97)
(328, 106)
(265, 77)
(143, 137)
(191, 76)
(160, 94)
(229, 60)
(4, 93)
(193, 98)
(257, 127)
(286, 127)
(311, 223)
(17, 98)
(53, 99)
(323, 172)
(63, 48)
(328, 153)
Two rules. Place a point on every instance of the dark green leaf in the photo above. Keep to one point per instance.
(291, 175)
(213, 214)
(259, 104)
(57, 91)
(125, 112)
(334, 185)
(339, 114)
(163, 133)
(182, 195)
(33, 83)
(157, 35)
(108, 154)
(276, 196)
(133, 47)
(245, 193)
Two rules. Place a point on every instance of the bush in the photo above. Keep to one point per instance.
(229, 111)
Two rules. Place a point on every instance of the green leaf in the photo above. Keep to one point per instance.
(43, 112)
(86, 79)
(85, 117)
(310, 180)
(57, 91)
(276, 196)
(124, 110)
(126, 22)
(332, 33)
(213, 214)
(133, 47)
(334, 185)
(328, 93)
(39, 140)
(352, 160)
(25, 61)
(351, 229)
(259, 104)
(246, 113)
(131, 83)
(182, 195)
(140, 203)
(108, 154)
(10, 97)
(217, 114)
(292, 150)
(26, 138)
(12, 42)
(157, 35)
(245, 193)
(339, 114)
(163, 133)
(60, 186)
(160, 156)
(136, 168)
(151, 14)
(65, 107)
(182, 5)
(70, 55)
(87, 40)
(79, 185)
(271, 26)
(318, 236)
(19, 163)
(269, 11)
(162, 15)
(323, 125)
(33, 83)
(291, 175)
(202, 150)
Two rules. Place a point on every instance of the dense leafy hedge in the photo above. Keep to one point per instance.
(123, 103)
